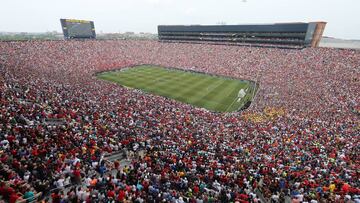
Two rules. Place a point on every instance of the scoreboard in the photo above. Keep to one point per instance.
(73, 29)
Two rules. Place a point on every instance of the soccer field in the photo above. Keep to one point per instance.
(214, 93)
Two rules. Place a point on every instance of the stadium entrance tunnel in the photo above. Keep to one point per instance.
(212, 92)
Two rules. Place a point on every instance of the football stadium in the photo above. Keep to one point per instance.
(203, 113)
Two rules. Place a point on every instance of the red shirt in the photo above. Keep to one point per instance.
(10, 138)
(13, 197)
(121, 195)
(77, 173)
(111, 193)
(2, 190)
(55, 197)
(196, 189)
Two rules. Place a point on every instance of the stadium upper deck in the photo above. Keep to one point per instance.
(281, 34)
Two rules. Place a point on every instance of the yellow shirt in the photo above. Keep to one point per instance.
(332, 187)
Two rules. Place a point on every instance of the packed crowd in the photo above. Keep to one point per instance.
(57, 122)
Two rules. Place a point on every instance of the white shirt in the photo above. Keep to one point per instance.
(60, 182)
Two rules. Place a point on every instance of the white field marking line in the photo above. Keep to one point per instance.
(213, 86)
(231, 104)
(212, 101)
(234, 100)
(200, 95)
(240, 97)
(204, 94)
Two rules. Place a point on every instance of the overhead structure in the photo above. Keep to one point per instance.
(78, 29)
(279, 34)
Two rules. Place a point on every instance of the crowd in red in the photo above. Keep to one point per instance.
(57, 121)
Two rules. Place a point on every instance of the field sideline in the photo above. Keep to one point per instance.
(214, 93)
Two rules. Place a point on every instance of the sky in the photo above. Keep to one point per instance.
(144, 15)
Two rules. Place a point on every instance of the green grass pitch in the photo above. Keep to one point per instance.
(214, 93)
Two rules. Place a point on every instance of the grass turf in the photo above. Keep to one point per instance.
(214, 93)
